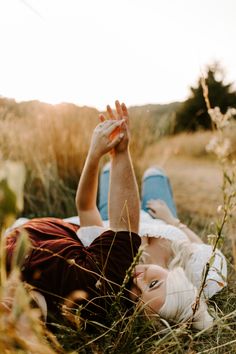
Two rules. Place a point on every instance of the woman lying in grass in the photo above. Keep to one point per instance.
(59, 266)
(173, 246)
(89, 264)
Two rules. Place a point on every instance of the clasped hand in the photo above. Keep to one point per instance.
(112, 134)
(102, 140)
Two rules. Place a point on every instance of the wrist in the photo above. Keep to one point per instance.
(94, 156)
(177, 223)
(120, 154)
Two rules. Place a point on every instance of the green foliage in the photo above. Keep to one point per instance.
(22, 248)
(192, 114)
(158, 118)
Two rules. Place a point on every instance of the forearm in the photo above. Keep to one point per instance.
(86, 195)
(87, 188)
(188, 232)
(124, 202)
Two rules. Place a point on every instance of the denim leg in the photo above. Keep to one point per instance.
(103, 191)
(156, 185)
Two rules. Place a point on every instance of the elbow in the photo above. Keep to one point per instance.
(80, 204)
(77, 202)
(83, 205)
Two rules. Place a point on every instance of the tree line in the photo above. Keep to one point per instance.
(192, 114)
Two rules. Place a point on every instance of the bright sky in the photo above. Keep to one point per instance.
(91, 52)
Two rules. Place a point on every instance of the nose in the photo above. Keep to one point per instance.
(140, 268)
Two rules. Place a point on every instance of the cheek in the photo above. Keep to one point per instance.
(154, 301)
(139, 283)
(135, 292)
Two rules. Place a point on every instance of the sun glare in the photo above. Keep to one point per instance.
(95, 51)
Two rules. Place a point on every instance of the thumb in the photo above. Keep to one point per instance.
(102, 118)
(116, 140)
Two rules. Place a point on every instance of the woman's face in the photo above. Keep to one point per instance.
(150, 285)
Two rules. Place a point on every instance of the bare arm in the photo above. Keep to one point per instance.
(189, 233)
(124, 202)
(86, 194)
(124, 198)
(158, 209)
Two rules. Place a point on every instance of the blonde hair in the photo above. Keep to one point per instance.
(182, 250)
(181, 296)
(193, 257)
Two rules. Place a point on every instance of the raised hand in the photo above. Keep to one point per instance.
(121, 115)
(105, 138)
(124, 202)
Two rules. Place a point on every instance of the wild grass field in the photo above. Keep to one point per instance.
(52, 142)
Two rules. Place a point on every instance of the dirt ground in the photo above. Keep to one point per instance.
(196, 185)
(196, 182)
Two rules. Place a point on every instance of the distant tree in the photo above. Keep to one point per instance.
(192, 114)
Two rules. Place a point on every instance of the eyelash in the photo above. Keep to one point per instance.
(153, 283)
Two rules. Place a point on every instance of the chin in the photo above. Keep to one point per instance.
(134, 292)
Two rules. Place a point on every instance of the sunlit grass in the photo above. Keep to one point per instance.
(53, 147)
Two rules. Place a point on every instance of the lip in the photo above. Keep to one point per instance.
(137, 274)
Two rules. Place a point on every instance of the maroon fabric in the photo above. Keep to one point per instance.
(59, 264)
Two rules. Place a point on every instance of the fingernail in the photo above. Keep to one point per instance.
(121, 135)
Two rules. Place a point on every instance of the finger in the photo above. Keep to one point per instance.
(160, 201)
(107, 123)
(116, 140)
(152, 213)
(113, 126)
(102, 124)
(118, 109)
(150, 203)
(125, 113)
(124, 110)
(110, 112)
(102, 118)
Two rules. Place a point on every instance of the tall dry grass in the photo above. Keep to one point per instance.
(191, 145)
(53, 146)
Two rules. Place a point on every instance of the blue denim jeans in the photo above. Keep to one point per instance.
(103, 191)
(155, 185)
